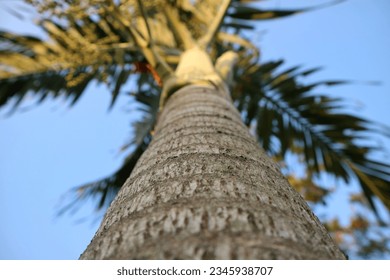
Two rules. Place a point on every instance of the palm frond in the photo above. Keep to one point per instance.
(242, 11)
(43, 85)
(288, 116)
(77, 52)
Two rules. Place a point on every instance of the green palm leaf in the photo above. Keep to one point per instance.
(287, 115)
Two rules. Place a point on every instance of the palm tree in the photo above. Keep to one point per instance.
(200, 186)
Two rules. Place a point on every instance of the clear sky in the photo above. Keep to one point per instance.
(47, 149)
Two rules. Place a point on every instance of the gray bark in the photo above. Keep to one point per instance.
(205, 190)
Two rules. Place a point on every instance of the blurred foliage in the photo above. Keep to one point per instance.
(118, 41)
(362, 237)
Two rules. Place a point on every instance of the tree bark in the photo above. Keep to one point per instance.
(204, 189)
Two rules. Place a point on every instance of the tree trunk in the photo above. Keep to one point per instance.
(205, 190)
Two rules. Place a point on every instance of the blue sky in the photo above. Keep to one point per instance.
(46, 150)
